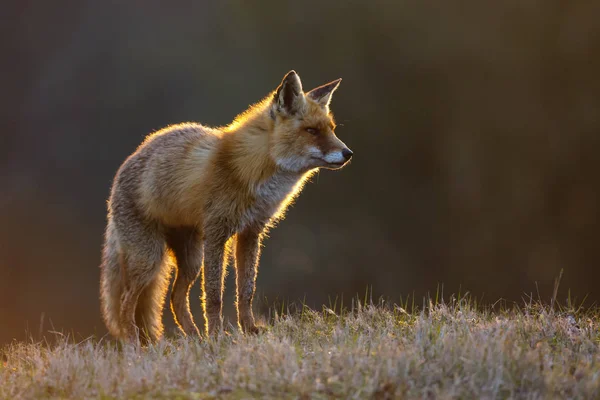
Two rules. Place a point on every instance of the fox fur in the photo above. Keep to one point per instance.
(191, 194)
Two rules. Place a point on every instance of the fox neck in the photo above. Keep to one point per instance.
(247, 145)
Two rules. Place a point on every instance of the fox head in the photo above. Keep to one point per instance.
(303, 136)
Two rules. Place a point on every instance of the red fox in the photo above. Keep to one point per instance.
(189, 194)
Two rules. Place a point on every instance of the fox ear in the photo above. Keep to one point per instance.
(289, 97)
(322, 94)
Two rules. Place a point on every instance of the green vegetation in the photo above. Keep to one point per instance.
(451, 349)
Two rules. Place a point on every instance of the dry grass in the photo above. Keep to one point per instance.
(446, 351)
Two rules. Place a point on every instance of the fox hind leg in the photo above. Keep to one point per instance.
(140, 314)
(144, 280)
(186, 244)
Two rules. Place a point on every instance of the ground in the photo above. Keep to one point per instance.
(451, 349)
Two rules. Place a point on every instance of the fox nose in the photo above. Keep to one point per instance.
(347, 153)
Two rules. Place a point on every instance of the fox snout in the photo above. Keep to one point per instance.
(338, 158)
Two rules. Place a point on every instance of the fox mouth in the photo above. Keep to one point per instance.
(338, 164)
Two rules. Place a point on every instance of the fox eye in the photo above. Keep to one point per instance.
(312, 131)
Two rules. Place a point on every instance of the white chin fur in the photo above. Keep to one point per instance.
(291, 164)
(298, 164)
(334, 157)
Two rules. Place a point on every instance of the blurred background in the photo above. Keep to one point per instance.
(475, 127)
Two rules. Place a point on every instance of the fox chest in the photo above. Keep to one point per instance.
(271, 198)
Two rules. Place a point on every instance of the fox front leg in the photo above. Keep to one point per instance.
(247, 253)
(213, 276)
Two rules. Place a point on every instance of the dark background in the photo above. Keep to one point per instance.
(475, 127)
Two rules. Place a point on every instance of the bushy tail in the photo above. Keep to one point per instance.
(111, 285)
